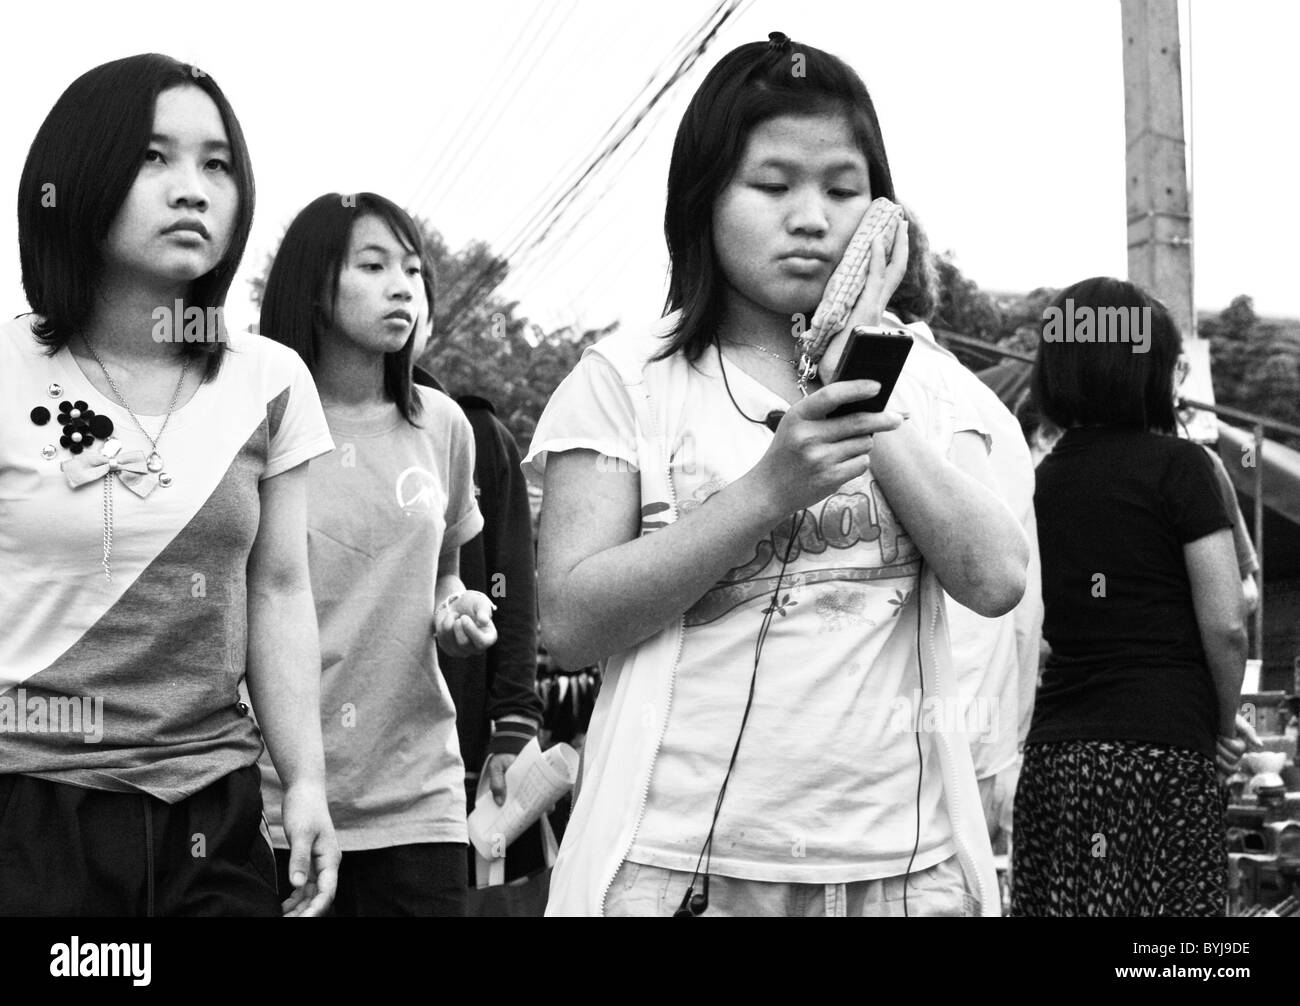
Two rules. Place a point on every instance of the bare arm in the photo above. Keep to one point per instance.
(448, 581)
(962, 528)
(283, 678)
(1216, 597)
(602, 588)
(283, 645)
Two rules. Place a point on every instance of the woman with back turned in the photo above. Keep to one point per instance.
(1119, 810)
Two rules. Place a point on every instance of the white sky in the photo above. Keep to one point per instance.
(1003, 120)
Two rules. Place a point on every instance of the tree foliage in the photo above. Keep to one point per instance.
(1255, 362)
(965, 309)
(482, 346)
(963, 306)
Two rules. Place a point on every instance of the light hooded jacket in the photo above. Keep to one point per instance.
(631, 713)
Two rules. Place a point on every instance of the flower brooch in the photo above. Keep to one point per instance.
(81, 426)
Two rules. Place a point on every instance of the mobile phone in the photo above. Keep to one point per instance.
(872, 356)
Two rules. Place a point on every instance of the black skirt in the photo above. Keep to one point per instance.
(1118, 828)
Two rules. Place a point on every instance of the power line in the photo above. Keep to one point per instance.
(507, 235)
(543, 222)
(571, 195)
(551, 264)
(437, 166)
(576, 177)
(468, 159)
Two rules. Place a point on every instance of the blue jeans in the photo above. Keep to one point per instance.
(640, 890)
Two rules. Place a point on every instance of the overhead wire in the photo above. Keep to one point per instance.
(485, 129)
(542, 223)
(622, 134)
(484, 99)
(551, 265)
(448, 154)
(560, 178)
(564, 181)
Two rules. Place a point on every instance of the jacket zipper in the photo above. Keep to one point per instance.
(663, 730)
(645, 790)
(959, 839)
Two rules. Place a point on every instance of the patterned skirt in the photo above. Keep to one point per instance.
(1118, 828)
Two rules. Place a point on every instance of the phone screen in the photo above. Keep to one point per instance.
(872, 356)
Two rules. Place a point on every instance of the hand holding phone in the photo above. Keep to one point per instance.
(812, 455)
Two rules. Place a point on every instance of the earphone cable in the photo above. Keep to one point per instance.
(727, 384)
(706, 851)
(920, 759)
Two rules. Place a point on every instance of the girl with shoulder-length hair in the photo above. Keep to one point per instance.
(760, 580)
(388, 515)
(1144, 613)
(152, 525)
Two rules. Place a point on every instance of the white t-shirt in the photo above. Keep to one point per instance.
(155, 656)
(825, 784)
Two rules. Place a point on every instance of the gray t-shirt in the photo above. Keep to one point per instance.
(386, 510)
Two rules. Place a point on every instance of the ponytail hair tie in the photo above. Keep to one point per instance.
(778, 41)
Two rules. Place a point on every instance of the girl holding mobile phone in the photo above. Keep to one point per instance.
(758, 597)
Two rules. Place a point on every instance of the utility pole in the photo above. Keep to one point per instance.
(1160, 214)
(1159, 204)
(1159, 209)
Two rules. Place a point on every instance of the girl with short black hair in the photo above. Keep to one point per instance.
(152, 526)
(1119, 810)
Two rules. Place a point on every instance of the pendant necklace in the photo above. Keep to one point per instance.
(805, 370)
(767, 352)
(138, 473)
(154, 462)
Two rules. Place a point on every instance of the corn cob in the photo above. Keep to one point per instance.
(846, 284)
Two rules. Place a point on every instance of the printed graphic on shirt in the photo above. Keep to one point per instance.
(841, 609)
(418, 492)
(857, 515)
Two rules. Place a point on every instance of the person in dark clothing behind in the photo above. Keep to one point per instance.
(1119, 810)
(498, 709)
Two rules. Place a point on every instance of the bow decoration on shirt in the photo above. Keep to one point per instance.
(130, 466)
